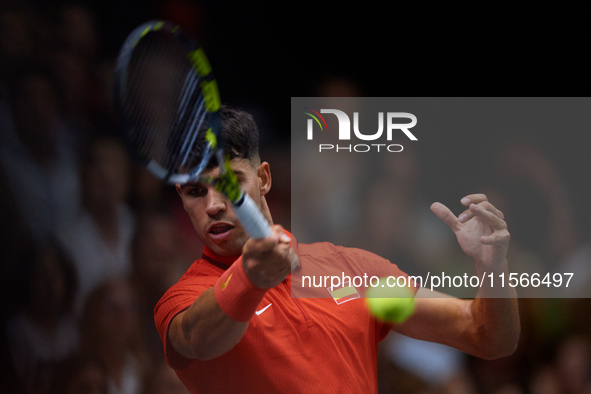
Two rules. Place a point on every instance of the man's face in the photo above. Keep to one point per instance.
(211, 213)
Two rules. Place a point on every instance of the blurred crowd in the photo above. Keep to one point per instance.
(90, 241)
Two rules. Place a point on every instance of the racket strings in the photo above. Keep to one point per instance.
(194, 121)
(163, 101)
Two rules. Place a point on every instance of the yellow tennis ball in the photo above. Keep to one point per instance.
(391, 304)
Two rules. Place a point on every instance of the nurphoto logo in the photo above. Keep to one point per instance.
(344, 132)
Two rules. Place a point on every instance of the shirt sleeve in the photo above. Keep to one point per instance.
(177, 299)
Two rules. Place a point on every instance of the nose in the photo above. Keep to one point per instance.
(216, 202)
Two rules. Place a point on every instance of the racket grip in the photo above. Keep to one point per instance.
(252, 219)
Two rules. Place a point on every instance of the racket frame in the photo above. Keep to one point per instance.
(246, 210)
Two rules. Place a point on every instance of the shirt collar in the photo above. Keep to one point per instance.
(224, 262)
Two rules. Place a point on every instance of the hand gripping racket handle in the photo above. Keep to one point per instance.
(255, 223)
(251, 218)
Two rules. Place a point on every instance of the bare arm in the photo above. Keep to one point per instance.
(484, 327)
(488, 326)
(204, 331)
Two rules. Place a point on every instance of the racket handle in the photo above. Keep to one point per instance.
(251, 218)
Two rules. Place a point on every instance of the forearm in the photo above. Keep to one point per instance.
(207, 331)
(494, 313)
(218, 319)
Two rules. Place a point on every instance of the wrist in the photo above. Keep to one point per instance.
(260, 276)
(483, 266)
(247, 265)
(236, 295)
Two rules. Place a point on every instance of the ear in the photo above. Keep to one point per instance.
(180, 193)
(264, 175)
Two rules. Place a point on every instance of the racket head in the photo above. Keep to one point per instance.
(167, 100)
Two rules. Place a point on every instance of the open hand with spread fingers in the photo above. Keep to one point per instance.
(481, 229)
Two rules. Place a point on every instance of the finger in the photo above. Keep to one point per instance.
(491, 208)
(473, 198)
(295, 260)
(284, 238)
(444, 214)
(487, 240)
(265, 244)
(467, 214)
(279, 232)
(487, 217)
(497, 237)
(259, 246)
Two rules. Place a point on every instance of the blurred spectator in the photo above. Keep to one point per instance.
(537, 194)
(545, 380)
(80, 91)
(162, 379)
(45, 331)
(38, 156)
(77, 31)
(100, 239)
(338, 86)
(79, 374)
(155, 267)
(573, 364)
(432, 363)
(148, 192)
(461, 383)
(394, 379)
(17, 37)
(76, 65)
(510, 388)
(110, 331)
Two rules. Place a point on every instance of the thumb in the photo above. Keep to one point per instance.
(444, 214)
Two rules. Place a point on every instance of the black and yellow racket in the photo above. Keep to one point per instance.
(168, 100)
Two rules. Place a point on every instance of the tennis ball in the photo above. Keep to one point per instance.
(391, 304)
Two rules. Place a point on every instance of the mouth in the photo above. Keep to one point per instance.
(220, 230)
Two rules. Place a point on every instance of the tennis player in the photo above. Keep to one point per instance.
(231, 325)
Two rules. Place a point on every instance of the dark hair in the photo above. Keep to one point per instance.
(239, 133)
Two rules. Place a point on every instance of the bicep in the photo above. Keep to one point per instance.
(440, 318)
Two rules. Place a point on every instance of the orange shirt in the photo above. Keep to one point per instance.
(292, 345)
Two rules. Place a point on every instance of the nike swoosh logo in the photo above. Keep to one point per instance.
(223, 285)
(262, 310)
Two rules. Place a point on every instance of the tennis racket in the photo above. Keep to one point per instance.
(168, 101)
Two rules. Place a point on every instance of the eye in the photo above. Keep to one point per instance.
(197, 191)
